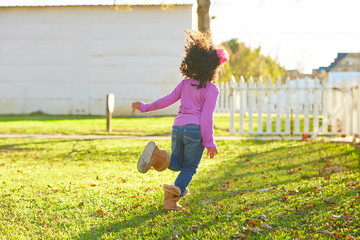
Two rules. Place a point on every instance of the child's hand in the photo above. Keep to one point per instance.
(212, 151)
(136, 105)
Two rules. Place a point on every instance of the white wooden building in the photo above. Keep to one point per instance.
(65, 56)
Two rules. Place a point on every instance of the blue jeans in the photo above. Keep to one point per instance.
(186, 153)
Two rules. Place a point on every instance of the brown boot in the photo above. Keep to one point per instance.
(172, 197)
(153, 156)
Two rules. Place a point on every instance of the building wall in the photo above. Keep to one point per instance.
(64, 60)
(350, 63)
(340, 76)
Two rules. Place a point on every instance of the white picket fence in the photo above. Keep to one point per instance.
(295, 107)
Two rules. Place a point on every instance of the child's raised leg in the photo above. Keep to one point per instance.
(153, 156)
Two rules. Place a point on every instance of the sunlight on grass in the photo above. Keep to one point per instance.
(67, 125)
(90, 189)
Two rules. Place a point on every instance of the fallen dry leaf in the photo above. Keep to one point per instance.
(249, 229)
(195, 228)
(268, 227)
(335, 169)
(348, 218)
(263, 217)
(109, 228)
(330, 202)
(339, 235)
(252, 223)
(311, 205)
(264, 190)
(327, 233)
(176, 235)
(252, 204)
(233, 194)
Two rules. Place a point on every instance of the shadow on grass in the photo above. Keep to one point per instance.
(72, 153)
(120, 226)
(47, 117)
(357, 151)
(15, 146)
(236, 170)
(282, 167)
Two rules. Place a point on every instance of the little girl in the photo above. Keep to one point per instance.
(192, 130)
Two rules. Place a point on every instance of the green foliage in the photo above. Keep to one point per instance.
(247, 62)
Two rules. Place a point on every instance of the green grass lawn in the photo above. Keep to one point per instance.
(49, 124)
(90, 189)
(144, 126)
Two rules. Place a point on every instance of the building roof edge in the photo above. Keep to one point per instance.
(54, 3)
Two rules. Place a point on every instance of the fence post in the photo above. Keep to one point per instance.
(316, 107)
(222, 97)
(345, 118)
(306, 107)
(297, 107)
(227, 97)
(232, 104)
(352, 110)
(260, 98)
(269, 95)
(325, 103)
(250, 88)
(279, 105)
(242, 104)
(287, 107)
(334, 95)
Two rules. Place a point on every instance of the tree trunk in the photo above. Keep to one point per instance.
(203, 15)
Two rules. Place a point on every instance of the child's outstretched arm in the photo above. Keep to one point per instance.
(160, 103)
(136, 105)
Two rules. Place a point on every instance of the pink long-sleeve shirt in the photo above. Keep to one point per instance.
(197, 107)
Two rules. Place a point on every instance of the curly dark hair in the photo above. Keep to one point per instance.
(201, 61)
